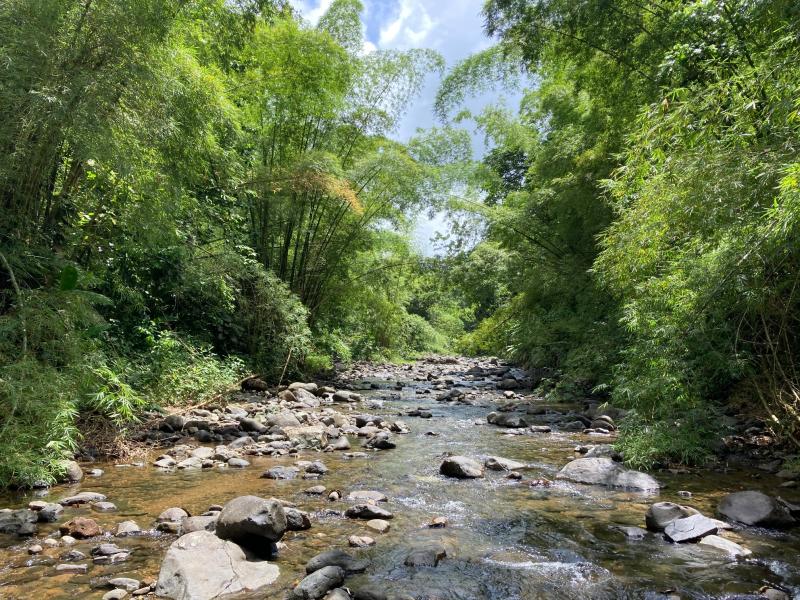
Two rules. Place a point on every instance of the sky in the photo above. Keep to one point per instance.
(454, 28)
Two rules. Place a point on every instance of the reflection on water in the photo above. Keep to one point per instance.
(504, 540)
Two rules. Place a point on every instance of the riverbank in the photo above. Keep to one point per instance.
(517, 532)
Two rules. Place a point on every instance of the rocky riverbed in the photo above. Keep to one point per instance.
(446, 479)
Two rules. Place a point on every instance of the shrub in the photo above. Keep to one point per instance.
(683, 439)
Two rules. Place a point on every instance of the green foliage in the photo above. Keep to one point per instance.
(179, 372)
(37, 428)
(646, 197)
(685, 439)
(187, 189)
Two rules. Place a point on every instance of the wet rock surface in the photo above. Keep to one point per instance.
(356, 466)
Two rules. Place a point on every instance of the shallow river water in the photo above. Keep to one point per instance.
(504, 540)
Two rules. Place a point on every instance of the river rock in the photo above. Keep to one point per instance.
(81, 528)
(192, 462)
(238, 463)
(337, 558)
(428, 555)
(186, 573)
(172, 515)
(68, 568)
(82, 498)
(367, 511)
(540, 429)
(502, 419)
(508, 384)
(661, 514)
(108, 550)
(125, 583)
(497, 463)
(316, 585)
(305, 398)
(360, 541)
(299, 385)
(691, 529)
(345, 396)
(603, 450)
(604, 471)
(461, 467)
(72, 471)
(296, 520)
(252, 522)
(203, 523)
(117, 594)
(21, 522)
(312, 436)
(341, 443)
(378, 525)
(50, 513)
(126, 528)
(280, 473)
(367, 496)
(757, 509)
(317, 467)
(104, 506)
(720, 543)
(380, 441)
(282, 418)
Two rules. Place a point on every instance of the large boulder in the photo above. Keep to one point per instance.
(201, 566)
(20, 522)
(461, 467)
(661, 514)
(755, 508)
(604, 471)
(253, 522)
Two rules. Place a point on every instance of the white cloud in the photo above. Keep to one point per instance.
(410, 28)
(368, 48)
(312, 10)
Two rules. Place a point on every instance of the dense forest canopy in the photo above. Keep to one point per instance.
(194, 191)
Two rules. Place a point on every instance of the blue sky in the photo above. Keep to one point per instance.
(454, 28)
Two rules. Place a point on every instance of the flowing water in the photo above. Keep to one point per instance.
(504, 540)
